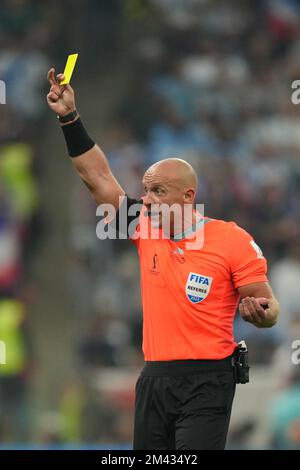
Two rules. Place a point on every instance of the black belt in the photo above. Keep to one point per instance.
(186, 366)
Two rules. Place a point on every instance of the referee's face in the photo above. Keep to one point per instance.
(168, 183)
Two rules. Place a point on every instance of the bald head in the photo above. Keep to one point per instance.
(172, 183)
(176, 171)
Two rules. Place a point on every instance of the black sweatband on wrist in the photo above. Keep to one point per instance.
(77, 139)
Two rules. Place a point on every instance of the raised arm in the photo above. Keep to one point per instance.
(88, 159)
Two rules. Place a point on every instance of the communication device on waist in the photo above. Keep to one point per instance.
(240, 363)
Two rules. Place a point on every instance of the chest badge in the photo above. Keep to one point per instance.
(197, 287)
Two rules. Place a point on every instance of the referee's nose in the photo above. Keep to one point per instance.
(148, 200)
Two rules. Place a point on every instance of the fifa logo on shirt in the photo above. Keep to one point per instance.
(2, 92)
(200, 279)
(197, 287)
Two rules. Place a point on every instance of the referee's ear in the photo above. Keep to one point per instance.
(189, 196)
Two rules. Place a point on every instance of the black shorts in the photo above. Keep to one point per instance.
(183, 404)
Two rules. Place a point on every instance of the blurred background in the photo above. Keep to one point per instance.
(205, 80)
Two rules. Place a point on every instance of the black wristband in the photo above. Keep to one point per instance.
(77, 139)
(68, 118)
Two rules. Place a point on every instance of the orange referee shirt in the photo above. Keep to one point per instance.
(190, 296)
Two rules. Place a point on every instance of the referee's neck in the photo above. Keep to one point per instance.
(188, 223)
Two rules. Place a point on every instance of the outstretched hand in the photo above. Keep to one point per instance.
(60, 98)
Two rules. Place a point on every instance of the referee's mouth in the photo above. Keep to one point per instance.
(152, 214)
(155, 217)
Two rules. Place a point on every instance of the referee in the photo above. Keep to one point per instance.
(185, 391)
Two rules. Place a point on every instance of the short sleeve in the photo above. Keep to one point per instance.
(246, 260)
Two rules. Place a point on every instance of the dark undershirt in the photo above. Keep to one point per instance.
(123, 223)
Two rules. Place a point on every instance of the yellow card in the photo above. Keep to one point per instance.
(69, 68)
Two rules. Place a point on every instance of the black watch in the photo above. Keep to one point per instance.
(68, 117)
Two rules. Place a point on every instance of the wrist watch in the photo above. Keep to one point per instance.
(68, 117)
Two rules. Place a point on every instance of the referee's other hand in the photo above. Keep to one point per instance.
(255, 311)
(60, 98)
